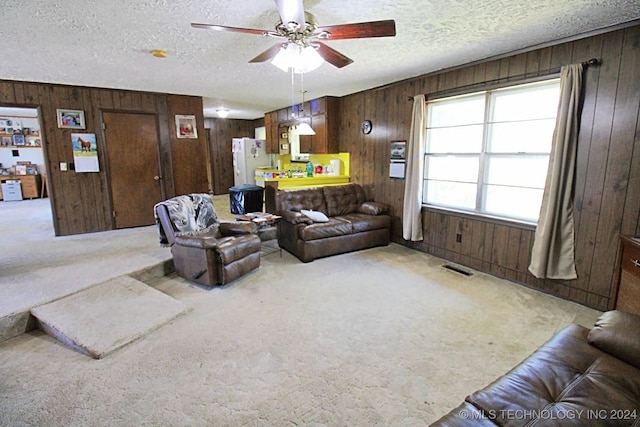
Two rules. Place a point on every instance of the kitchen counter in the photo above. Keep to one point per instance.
(272, 185)
(304, 182)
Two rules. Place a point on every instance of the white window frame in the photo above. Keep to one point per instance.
(485, 155)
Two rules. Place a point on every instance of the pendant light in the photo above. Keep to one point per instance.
(305, 128)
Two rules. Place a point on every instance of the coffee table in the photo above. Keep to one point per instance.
(268, 227)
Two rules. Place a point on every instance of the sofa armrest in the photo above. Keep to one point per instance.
(202, 242)
(296, 217)
(237, 228)
(373, 208)
(618, 333)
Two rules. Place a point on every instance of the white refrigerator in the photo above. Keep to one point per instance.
(248, 154)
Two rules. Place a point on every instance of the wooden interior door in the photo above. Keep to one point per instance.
(132, 156)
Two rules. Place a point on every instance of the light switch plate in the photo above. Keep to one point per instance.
(63, 166)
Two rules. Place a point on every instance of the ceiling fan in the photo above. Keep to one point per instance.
(298, 27)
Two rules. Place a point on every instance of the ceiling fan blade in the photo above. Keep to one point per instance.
(291, 11)
(233, 29)
(269, 53)
(360, 30)
(332, 56)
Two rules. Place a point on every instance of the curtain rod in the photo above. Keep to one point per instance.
(590, 62)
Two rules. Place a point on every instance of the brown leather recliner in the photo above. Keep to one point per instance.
(205, 250)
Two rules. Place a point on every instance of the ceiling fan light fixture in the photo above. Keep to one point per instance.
(301, 58)
(308, 60)
(222, 112)
(282, 60)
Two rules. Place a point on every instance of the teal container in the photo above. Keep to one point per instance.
(310, 170)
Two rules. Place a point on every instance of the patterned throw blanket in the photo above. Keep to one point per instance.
(190, 214)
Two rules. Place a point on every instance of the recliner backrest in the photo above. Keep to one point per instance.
(186, 214)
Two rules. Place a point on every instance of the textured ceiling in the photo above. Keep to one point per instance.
(106, 43)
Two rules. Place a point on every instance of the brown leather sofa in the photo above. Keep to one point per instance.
(354, 222)
(206, 250)
(580, 377)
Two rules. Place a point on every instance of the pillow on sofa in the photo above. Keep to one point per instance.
(315, 216)
(618, 333)
(373, 208)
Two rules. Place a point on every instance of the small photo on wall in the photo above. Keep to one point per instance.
(70, 119)
(186, 127)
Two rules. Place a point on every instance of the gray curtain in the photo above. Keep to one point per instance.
(412, 210)
(553, 252)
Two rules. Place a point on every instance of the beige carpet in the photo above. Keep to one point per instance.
(385, 336)
(103, 318)
(37, 267)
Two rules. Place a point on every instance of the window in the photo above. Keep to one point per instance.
(488, 152)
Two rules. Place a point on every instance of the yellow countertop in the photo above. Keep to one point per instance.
(315, 181)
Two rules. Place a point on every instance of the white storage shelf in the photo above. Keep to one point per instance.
(11, 191)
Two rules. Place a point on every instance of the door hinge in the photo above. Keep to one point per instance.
(104, 127)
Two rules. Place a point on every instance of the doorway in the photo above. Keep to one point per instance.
(132, 145)
(22, 158)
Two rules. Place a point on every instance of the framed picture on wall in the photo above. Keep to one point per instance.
(398, 150)
(186, 127)
(70, 119)
(18, 139)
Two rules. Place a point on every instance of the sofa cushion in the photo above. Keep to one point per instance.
(343, 199)
(565, 378)
(238, 227)
(373, 208)
(363, 222)
(322, 230)
(304, 198)
(618, 333)
(315, 216)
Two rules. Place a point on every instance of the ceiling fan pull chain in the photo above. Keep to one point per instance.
(293, 94)
(301, 115)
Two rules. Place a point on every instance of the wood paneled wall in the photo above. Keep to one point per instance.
(607, 193)
(189, 154)
(81, 201)
(221, 131)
